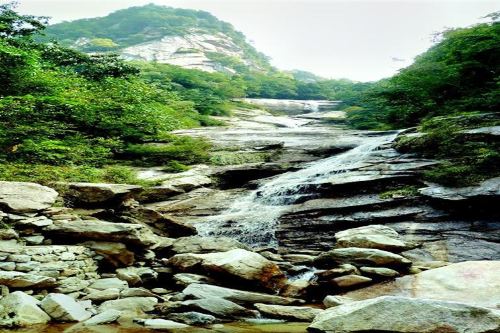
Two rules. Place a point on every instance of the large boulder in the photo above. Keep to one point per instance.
(356, 255)
(406, 315)
(238, 296)
(20, 197)
(20, 310)
(98, 194)
(292, 313)
(199, 244)
(241, 265)
(128, 233)
(471, 282)
(169, 225)
(64, 308)
(15, 279)
(162, 324)
(372, 236)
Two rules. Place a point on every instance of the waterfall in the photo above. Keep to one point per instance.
(252, 218)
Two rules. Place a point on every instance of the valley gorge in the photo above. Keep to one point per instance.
(313, 225)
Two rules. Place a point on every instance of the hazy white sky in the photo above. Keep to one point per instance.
(358, 39)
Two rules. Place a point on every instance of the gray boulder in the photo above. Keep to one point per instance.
(219, 307)
(105, 317)
(93, 193)
(406, 315)
(64, 308)
(193, 318)
(373, 237)
(130, 304)
(356, 255)
(238, 296)
(291, 313)
(20, 197)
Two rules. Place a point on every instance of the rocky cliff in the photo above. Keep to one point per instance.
(188, 38)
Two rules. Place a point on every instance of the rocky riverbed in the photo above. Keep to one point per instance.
(297, 224)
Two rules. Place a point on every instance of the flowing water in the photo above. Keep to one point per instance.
(252, 218)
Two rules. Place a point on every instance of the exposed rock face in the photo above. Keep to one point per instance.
(293, 313)
(190, 51)
(406, 315)
(192, 318)
(20, 197)
(24, 308)
(472, 282)
(485, 192)
(361, 256)
(64, 308)
(238, 296)
(240, 264)
(116, 253)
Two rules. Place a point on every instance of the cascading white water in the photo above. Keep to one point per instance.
(252, 218)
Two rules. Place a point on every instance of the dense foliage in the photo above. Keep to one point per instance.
(452, 87)
(63, 108)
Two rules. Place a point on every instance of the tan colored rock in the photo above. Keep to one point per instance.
(292, 313)
(406, 315)
(471, 282)
(347, 281)
(21, 310)
(356, 255)
(24, 280)
(240, 264)
(373, 237)
(116, 253)
(94, 193)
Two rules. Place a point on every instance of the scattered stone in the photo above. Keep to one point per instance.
(406, 315)
(105, 317)
(103, 295)
(130, 304)
(23, 280)
(21, 310)
(64, 308)
(103, 284)
(292, 313)
(162, 324)
(72, 284)
(330, 301)
(193, 318)
(379, 272)
(115, 253)
(185, 279)
(219, 307)
(347, 281)
(92, 193)
(137, 292)
(136, 275)
(20, 197)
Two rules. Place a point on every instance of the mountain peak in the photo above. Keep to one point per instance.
(184, 37)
